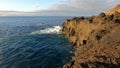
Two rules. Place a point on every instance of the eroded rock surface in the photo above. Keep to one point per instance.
(113, 10)
(97, 40)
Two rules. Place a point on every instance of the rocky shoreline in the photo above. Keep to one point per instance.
(96, 38)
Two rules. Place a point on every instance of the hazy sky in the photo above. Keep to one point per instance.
(55, 7)
(26, 5)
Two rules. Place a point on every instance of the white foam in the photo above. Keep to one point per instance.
(39, 24)
(52, 30)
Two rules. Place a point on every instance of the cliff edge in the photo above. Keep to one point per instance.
(113, 10)
(97, 40)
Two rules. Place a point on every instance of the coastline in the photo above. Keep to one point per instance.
(97, 40)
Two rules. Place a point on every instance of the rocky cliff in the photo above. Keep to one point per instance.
(97, 40)
(113, 10)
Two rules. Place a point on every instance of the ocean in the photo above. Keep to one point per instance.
(33, 42)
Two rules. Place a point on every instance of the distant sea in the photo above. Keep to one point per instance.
(33, 42)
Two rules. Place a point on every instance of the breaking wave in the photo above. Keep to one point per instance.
(52, 30)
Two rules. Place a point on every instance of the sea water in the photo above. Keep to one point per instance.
(33, 42)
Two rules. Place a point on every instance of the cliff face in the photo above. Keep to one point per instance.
(97, 40)
(113, 10)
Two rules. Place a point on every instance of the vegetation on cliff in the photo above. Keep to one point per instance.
(97, 40)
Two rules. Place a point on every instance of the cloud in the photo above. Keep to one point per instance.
(36, 6)
(60, 7)
(85, 6)
(72, 8)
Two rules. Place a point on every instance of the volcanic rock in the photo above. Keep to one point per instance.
(113, 10)
(97, 40)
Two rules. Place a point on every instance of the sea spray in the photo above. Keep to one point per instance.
(51, 30)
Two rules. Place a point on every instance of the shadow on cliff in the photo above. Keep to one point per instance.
(99, 65)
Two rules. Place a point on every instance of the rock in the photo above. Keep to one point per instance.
(114, 10)
(102, 15)
(97, 40)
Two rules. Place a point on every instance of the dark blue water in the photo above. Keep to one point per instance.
(21, 49)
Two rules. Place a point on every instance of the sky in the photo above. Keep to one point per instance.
(55, 7)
